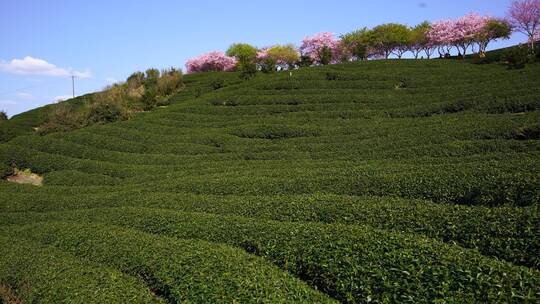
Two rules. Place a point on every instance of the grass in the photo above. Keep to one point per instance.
(395, 181)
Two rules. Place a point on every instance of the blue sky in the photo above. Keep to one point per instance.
(105, 41)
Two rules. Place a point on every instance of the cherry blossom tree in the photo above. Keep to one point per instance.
(211, 62)
(466, 29)
(525, 16)
(316, 46)
(441, 36)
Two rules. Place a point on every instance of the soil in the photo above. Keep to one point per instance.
(32, 179)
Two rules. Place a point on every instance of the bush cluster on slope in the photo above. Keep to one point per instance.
(141, 91)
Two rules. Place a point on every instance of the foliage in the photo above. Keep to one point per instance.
(390, 38)
(243, 52)
(217, 83)
(321, 47)
(493, 29)
(284, 56)
(175, 270)
(419, 40)
(3, 116)
(525, 16)
(211, 62)
(357, 43)
(307, 250)
(108, 106)
(5, 170)
(246, 57)
(315, 184)
(62, 117)
(135, 80)
(517, 58)
(117, 102)
(45, 274)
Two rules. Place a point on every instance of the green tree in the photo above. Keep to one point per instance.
(357, 43)
(326, 55)
(493, 30)
(284, 55)
(3, 115)
(418, 39)
(243, 52)
(390, 38)
(246, 56)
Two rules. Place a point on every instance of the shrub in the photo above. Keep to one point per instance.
(169, 82)
(517, 58)
(135, 80)
(274, 131)
(363, 262)
(528, 132)
(217, 83)
(332, 76)
(305, 61)
(149, 98)
(38, 273)
(108, 106)
(326, 55)
(5, 170)
(62, 117)
(178, 271)
(268, 65)
(3, 116)
(247, 69)
(152, 75)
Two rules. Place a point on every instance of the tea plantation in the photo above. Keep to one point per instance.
(379, 181)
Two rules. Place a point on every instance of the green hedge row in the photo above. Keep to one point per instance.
(177, 270)
(41, 274)
(508, 233)
(474, 181)
(350, 263)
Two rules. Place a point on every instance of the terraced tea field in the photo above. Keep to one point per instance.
(380, 181)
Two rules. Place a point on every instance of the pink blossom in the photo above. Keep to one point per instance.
(461, 33)
(312, 46)
(211, 62)
(466, 29)
(525, 16)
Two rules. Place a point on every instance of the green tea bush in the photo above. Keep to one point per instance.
(5, 170)
(517, 58)
(528, 132)
(274, 132)
(46, 275)
(362, 263)
(177, 270)
(423, 194)
(218, 83)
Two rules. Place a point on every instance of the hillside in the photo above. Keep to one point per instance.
(385, 181)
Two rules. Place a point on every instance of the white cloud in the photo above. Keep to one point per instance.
(8, 102)
(25, 96)
(35, 66)
(62, 98)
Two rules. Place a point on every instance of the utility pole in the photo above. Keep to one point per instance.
(73, 85)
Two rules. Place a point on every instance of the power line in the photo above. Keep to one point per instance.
(28, 87)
